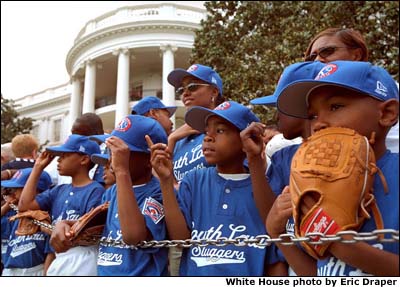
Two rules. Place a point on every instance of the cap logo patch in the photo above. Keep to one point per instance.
(192, 68)
(123, 125)
(223, 106)
(153, 209)
(18, 174)
(381, 89)
(329, 69)
(82, 148)
(213, 80)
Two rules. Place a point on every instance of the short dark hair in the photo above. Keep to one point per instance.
(88, 124)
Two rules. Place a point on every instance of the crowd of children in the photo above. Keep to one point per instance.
(207, 180)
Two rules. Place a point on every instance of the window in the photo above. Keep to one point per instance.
(57, 130)
(136, 92)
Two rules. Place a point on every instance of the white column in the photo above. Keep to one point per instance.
(168, 65)
(122, 108)
(75, 104)
(90, 87)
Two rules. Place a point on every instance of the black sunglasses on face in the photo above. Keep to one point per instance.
(324, 53)
(192, 87)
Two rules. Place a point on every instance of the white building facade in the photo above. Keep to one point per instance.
(116, 59)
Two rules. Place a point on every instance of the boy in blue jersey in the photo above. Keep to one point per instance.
(278, 171)
(25, 255)
(222, 201)
(152, 107)
(363, 97)
(67, 201)
(135, 204)
(199, 85)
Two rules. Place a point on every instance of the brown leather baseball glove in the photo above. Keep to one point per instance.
(26, 226)
(87, 230)
(335, 168)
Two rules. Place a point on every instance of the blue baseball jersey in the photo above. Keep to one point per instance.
(389, 207)
(120, 261)
(6, 227)
(26, 251)
(213, 208)
(188, 156)
(66, 202)
(278, 175)
(278, 172)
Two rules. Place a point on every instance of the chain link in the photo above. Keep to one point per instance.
(314, 238)
(380, 235)
(35, 221)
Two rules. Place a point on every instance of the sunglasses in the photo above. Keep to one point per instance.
(192, 87)
(323, 53)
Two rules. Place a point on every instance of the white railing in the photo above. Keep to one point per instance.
(149, 12)
(43, 96)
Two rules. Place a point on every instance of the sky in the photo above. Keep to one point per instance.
(36, 37)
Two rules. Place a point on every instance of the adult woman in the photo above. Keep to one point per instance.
(337, 44)
(197, 86)
(346, 44)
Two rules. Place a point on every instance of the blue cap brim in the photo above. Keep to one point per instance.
(99, 138)
(197, 117)
(298, 106)
(171, 110)
(11, 184)
(100, 158)
(266, 100)
(57, 151)
(176, 76)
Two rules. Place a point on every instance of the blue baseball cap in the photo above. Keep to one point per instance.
(20, 178)
(235, 113)
(294, 72)
(100, 158)
(76, 143)
(361, 77)
(132, 130)
(198, 71)
(148, 103)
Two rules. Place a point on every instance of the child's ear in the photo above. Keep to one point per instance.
(85, 160)
(152, 114)
(389, 113)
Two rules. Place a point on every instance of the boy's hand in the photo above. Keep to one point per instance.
(10, 198)
(160, 159)
(120, 153)
(60, 238)
(279, 214)
(252, 139)
(43, 160)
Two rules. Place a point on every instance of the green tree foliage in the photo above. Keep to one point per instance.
(11, 124)
(250, 43)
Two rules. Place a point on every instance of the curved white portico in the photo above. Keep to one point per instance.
(123, 55)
